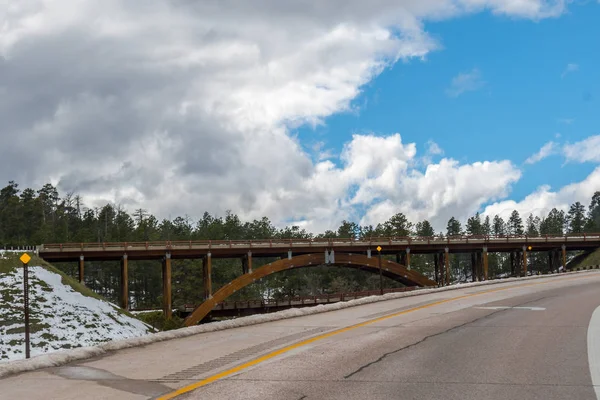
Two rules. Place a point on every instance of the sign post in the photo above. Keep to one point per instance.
(25, 260)
(380, 272)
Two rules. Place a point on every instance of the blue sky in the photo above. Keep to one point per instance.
(532, 82)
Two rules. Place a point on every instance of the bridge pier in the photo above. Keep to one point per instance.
(473, 266)
(485, 263)
(166, 270)
(436, 268)
(564, 257)
(81, 268)
(524, 271)
(447, 263)
(206, 275)
(407, 258)
(124, 283)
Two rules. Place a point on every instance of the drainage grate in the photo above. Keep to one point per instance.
(220, 362)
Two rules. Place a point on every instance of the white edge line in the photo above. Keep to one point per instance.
(593, 342)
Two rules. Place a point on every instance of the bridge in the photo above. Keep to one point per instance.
(300, 253)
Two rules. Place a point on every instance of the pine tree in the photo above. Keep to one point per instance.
(424, 229)
(453, 228)
(576, 218)
(499, 227)
(515, 224)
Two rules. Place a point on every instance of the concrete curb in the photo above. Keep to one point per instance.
(63, 357)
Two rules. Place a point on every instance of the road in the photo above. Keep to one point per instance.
(525, 339)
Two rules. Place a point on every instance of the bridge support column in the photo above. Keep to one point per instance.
(368, 253)
(564, 257)
(473, 266)
(436, 268)
(524, 272)
(550, 262)
(447, 263)
(167, 306)
(249, 262)
(206, 276)
(124, 283)
(289, 254)
(81, 267)
(484, 255)
(407, 258)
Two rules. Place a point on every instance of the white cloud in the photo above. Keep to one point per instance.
(540, 202)
(566, 121)
(570, 68)
(587, 150)
(182, 107)
(433, 148)
(546, 150)
(465, 82)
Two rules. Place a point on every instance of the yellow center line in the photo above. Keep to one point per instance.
(286, 349)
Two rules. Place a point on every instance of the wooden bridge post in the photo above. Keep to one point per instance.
(408, 258)
(485, 263)
(564, 257)
(447, 263)
(206, 276)
(167, 306)
(436, 268)
(249, 262)
(81, 266)
(524, 271)
(124, 283)
(473, 266)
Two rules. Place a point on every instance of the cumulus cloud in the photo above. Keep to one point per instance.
(546, 150)
(182, 107)
(465, 82)
(587, 150)
(540, 202)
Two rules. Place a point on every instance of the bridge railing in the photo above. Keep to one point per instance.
(318, 242)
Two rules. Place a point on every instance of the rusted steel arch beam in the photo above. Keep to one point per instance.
(390, 268)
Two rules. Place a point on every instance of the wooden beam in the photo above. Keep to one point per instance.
(167, 305)
(124, 283)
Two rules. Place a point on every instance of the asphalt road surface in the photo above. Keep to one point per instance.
(533, 339)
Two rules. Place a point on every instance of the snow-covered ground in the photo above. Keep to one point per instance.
(61, 318)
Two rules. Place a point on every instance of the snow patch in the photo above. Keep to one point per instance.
(60, 317)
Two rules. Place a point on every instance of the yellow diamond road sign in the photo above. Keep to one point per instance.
(378, 248)
(25, 258)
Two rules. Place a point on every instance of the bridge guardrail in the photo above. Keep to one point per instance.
(319, 242)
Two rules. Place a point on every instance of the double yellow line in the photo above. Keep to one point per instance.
(283, 350)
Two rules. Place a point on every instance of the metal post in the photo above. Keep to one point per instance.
(26, 307)
(380, 275)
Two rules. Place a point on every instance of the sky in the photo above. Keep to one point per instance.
(307, 112)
